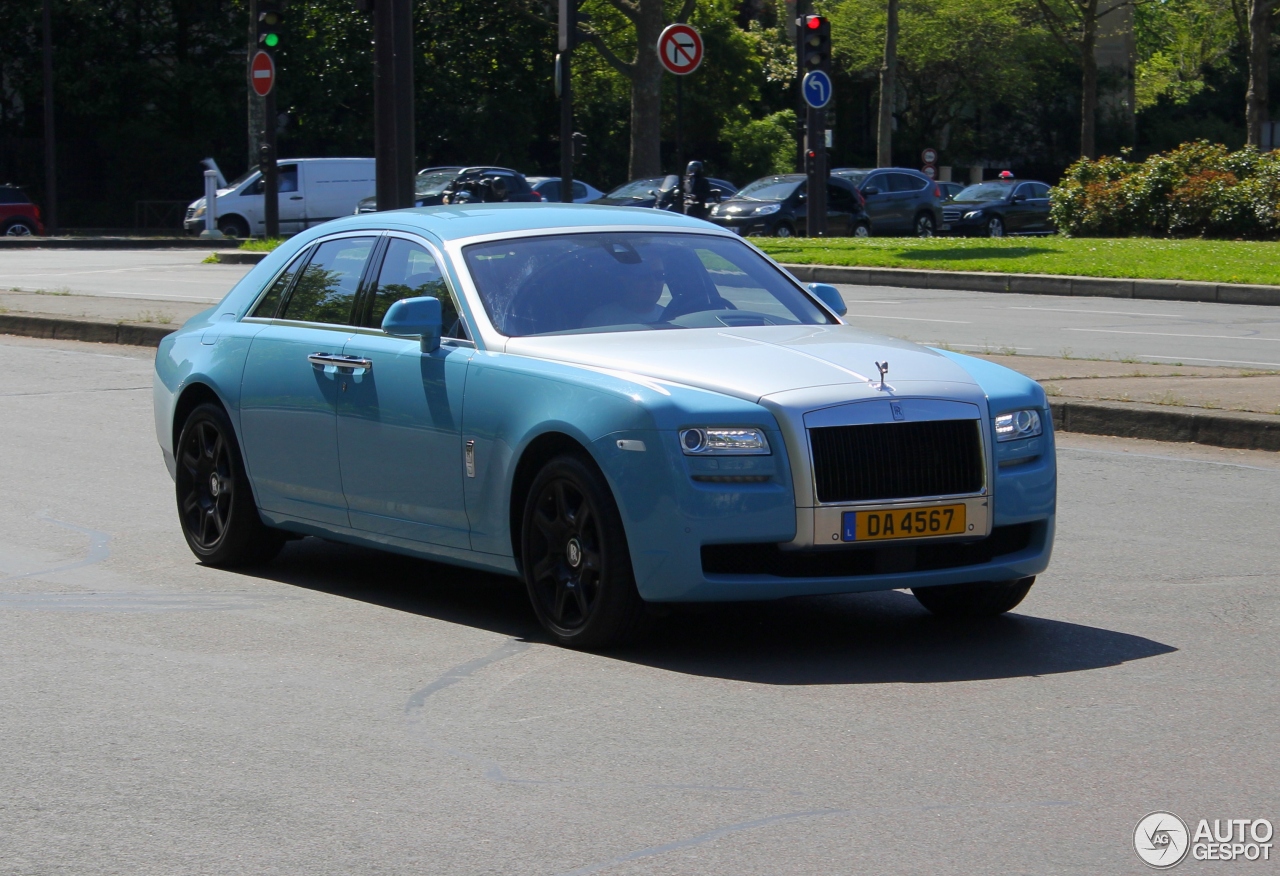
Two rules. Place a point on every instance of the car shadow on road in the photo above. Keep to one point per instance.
(977, 253)
(866, 638)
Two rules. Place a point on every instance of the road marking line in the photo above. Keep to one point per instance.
(989, 347)
(1193, 359)
(908, 318)
(1171, 335)
(1108, 312)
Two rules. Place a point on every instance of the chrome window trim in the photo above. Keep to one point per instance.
(306, 251)
(442, 262)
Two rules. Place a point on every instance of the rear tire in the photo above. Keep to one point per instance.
(19, 228)
(215, 501)
(574, 555)
(924, 225)
(983, 599)
(862, 229)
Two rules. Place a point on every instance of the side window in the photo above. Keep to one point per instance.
(326, 289)
(1039, 190)
(288, 178)
(878, 181)
(409, 271)
(266, 308)
(902, 182)
(1024, 191)
(579, 190)
(841, 199)
(551, 191)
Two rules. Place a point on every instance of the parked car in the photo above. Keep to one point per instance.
(310, 191)
(899, 200)
(428, 188)
(489, 184)
(999, 207)
(950, 190)
(777, 206)
(648, 412)
(549, 188)
(19, 217)
(644, 192)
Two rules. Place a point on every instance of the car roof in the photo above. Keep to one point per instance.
(470, 220)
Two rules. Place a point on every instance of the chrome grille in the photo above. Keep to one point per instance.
(885, 461)
(952, 215)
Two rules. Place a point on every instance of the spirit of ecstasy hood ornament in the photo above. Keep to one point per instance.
(884, 369)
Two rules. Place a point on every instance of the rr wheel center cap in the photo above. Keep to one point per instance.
(215, 485)
(573, 553)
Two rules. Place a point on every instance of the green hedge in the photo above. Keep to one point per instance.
(1197, 190)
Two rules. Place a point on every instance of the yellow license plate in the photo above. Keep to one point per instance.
(903, 523)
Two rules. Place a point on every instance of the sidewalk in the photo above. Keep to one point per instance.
(1225, 407)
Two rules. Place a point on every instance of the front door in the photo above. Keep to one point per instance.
(400, 420)
(291, 382)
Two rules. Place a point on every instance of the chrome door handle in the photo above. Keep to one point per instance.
(340, 361)
(296, 198)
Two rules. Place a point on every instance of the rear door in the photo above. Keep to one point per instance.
(290, 386)
(880, 204)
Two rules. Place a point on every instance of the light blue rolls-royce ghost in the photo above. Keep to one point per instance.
(621, 407)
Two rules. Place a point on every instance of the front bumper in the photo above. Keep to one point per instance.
(746, 226)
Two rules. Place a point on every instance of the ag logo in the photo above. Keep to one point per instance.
(1161, 840)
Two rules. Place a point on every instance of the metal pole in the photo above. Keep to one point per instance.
(384, 116)
(50, 164)
(210, 205)
(680, 124)
(402, 32)
(566, 126)
(816, 142)
(270, 177)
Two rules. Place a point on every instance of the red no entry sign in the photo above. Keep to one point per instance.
(680, 49)
(262, 73)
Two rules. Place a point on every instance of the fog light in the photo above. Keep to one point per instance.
(722, 441)
(1018, 424)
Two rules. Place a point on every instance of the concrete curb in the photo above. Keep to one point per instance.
(64, 329)
(1041, 284)
(114, 243)
(241, 258)
(1122, 419)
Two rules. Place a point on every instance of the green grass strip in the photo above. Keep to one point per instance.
(261, 244)
(1213, 261)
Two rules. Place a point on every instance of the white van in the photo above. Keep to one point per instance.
(312, 190)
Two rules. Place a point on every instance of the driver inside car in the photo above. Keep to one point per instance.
(639, 287)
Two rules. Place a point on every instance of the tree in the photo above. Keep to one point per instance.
(888, 89)
(1259, 44)
(1075, 23)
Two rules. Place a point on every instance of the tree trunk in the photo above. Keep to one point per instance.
(1259, 43)
(888, 86)
(1089, 81)
(646, 94)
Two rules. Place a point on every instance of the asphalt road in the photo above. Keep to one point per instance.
(1035, 325)
(1163, 332)
(346, 712)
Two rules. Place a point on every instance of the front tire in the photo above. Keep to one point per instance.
(983, 599)
(574, 554)
(995, 227)
(233, 226)
(215, 502)
(783, 230)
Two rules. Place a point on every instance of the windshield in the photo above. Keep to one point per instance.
(433, 183)
(638, 189)
(235, 183)
(771, 188)
(985, 192)
(631, 281)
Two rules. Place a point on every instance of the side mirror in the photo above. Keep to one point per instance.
(1017, 199)
(415, 318)
(828, 295)
(871, 190)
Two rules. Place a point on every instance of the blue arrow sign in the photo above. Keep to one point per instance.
(817, 89)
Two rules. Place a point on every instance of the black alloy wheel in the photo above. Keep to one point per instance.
(215, 502)
(574, 554)
(982, 599)
(995, 227)
(924, 225)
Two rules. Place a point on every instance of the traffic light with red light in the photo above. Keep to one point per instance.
(813, 38)
(270, 24)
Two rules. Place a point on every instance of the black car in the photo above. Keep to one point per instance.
(431, 184)
(644, 192)
(950, 190)
(488, 184)
(899, 200)
(776, 206)
(999, 207)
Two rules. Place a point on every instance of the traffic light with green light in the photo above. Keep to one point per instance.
(270, 24)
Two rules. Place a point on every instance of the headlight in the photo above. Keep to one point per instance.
(767, 209)
(973, 214)
(721, 441)
(198, 213)
(1018, 424)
